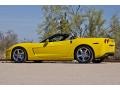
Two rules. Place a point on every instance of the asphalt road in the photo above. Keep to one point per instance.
(59, 74)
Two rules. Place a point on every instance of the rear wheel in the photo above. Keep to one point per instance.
(84, 54)
(98, 61)
(19, 55)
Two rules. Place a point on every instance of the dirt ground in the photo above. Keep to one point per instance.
(105, 73)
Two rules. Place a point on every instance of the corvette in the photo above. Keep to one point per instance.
(63, 47)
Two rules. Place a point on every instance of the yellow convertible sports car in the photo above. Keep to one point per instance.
(63, 47)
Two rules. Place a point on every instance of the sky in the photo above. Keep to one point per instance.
(24, 20)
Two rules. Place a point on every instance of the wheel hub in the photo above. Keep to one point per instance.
(83, 54)
(18, 55)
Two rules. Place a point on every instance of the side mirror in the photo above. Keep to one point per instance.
(45, 43)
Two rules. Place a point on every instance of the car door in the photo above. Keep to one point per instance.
(55, 49)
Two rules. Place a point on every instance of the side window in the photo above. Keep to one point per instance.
(56, 38)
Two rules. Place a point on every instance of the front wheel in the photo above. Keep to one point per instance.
(38, 61)
(84, 54)
(19, 55)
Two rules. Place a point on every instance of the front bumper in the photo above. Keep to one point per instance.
(8, 54)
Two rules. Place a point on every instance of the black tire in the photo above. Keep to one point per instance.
(85, 52)
(98, 61)
(19, 55)
(38, 61)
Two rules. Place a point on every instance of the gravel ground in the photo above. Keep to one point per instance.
(59, 73)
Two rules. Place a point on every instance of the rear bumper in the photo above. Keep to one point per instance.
(106, 55)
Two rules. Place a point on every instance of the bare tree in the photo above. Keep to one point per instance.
(115, 33)
(7, 39)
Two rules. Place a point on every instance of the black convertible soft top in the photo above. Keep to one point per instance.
(58, 34)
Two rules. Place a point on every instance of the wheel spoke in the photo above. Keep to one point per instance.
(87, 56)
(86, 50)
(15, 54)
(20, 57)
(16, 58)
(79, 56)
(22, 53)
(83, 59)
(17, 51)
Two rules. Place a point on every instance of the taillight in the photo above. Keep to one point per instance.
(106, 41)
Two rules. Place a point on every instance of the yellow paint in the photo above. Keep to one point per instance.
(63, 50)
